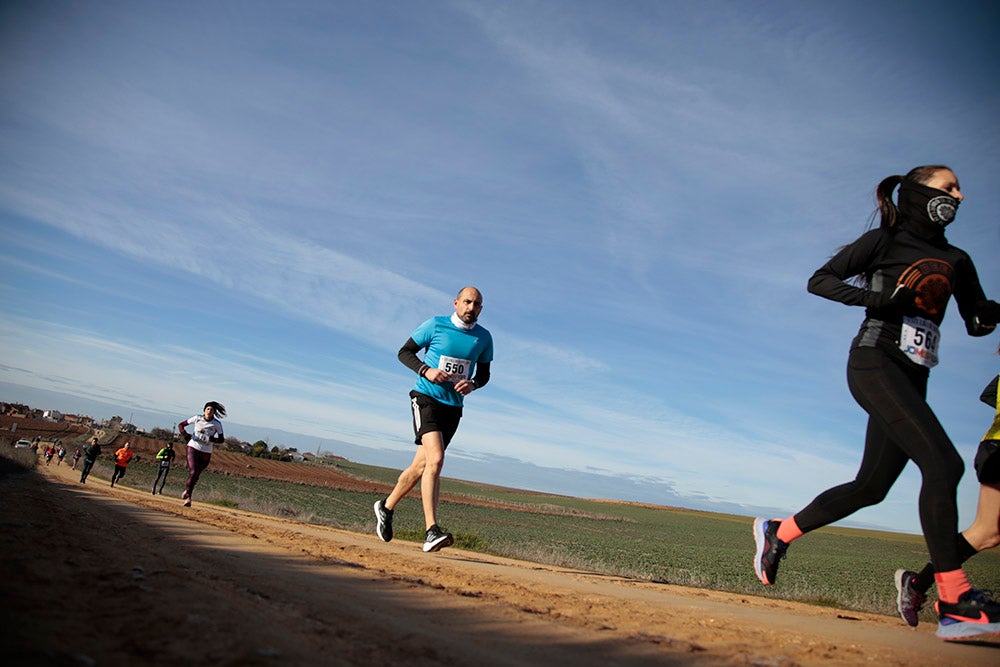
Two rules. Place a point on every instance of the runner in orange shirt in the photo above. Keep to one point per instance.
(122, 457)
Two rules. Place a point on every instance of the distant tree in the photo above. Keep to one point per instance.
(234, 444)
(258, 448)
(161, 433)
(275, 450)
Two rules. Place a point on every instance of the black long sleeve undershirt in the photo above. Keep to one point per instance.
(408, 355)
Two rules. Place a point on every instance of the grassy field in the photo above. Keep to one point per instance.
(841, 567)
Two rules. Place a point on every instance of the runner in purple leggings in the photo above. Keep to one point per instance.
(207, 433)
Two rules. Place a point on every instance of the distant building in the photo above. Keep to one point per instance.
(14, 410)
(52, 415)
(79, 419)
(113, 424)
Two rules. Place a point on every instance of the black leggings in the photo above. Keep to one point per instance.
(117, 474)
(901, 427)
(161, 477)
(87, 465)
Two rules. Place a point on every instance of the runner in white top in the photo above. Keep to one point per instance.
(207, 432)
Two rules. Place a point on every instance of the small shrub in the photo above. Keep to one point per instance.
(15, 460)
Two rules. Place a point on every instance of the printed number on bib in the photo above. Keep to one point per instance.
(919, 340)
(457, 369)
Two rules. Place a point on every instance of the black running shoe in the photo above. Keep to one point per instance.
(383, 521)
(909, 601)
(437, 539)
(770, 549)
(974, 615)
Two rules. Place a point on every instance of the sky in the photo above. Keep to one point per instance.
(258, 202)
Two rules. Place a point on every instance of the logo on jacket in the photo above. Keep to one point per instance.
(931, 279)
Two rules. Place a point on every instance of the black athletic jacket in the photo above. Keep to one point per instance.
(932, 267)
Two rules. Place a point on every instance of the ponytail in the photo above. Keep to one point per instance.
(887, 211)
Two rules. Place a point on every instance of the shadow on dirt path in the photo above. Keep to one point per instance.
(101, 576)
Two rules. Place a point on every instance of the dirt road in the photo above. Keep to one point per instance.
(98, 576)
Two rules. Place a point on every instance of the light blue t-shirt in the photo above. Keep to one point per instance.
(453, 350)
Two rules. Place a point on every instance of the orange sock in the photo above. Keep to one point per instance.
(788, 530)
(951, 585)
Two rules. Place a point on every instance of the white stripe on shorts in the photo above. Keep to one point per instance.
(416, 414)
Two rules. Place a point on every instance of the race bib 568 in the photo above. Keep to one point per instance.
(919, 340)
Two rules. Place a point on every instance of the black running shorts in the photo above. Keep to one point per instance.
(430, 415)
(988, 462)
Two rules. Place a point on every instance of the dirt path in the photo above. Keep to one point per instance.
(99, 576)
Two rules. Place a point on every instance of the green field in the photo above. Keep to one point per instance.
(842, 567)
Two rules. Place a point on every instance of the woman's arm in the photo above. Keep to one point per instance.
(979, 313)
(829, 280)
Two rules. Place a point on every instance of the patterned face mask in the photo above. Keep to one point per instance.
(920, 202)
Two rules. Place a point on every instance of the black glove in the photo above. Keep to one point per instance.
(184, 436)
(988, 313)
(894, 303)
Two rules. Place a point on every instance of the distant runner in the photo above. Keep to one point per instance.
(122, 457)
(207, 433)
(909, 272)
(164, 458)
(457, 357)
(90, 454)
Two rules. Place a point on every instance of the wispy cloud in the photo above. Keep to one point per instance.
(264, 209)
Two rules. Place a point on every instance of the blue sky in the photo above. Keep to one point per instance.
(257, 202)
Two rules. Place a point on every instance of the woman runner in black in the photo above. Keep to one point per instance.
(907, 272)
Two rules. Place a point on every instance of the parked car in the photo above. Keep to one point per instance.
(23, 444)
